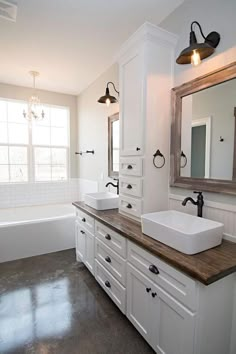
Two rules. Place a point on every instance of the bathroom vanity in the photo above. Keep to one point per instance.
(180, 304)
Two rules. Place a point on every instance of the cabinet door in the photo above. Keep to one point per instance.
(131, 103)
(172, 325)
(139, 302)
(80, 242)
(89, 253)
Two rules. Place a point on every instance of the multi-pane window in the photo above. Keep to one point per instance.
(37, 151)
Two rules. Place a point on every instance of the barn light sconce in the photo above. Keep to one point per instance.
(198, 51)
(107, 98)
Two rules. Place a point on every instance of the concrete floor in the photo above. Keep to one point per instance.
(51, 304)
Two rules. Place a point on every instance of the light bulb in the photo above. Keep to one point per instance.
(108, 102)
(195, 58)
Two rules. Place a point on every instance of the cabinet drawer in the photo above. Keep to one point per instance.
(130, 205)
(111, 238)
(111, 261)
(85, 220)
(131, 186)
(112, 287)
(131, 166)
(180, 286)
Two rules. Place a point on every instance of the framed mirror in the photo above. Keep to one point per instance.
(203, 133)
(113, 145)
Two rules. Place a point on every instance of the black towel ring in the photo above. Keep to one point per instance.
(158, 154)
(185, 159)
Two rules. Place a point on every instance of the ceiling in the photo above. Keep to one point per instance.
(70, 42)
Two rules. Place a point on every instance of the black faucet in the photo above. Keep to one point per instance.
(114, 185)
(199, 202)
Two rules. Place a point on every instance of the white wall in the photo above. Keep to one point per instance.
(93, 129)
(53, 98)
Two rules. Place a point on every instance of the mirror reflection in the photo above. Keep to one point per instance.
(208, 134)
(113, 145)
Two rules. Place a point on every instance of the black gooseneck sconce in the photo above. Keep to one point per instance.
(107, 98)
(198, 51)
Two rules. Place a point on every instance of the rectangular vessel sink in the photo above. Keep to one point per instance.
(102, 200)
(186, 233)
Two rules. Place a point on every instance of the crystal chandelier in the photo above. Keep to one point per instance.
(35, 111)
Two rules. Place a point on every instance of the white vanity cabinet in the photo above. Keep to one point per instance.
(145, 81)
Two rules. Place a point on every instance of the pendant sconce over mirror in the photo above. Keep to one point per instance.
(196, 52)
(107, 98)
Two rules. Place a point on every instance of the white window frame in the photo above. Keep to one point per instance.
(30, 148)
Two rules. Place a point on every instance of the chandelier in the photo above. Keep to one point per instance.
(35, 111)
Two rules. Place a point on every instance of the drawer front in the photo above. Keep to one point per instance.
(130, 205)
(112, 287)
(111, 261)
(177, 284)
(85, 220)
(131, 166)
(111, 238)
(131, 186)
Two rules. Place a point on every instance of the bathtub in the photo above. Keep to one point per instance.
(35, 230)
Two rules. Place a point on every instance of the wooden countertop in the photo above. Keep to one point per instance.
(207, 267)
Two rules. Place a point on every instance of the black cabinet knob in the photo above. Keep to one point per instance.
(108, 259)
(130, 167)
(154, 294)
(84, 220)
(108, 237)
(82, 232)
(138, 149)
(148, 290)
(129, 186)
(107, 283)
(153, 269)
(129, 206)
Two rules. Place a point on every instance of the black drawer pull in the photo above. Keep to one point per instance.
(82, 232)
(153, 269)
(148, 290)
(154, 294)
(84, 220)
(107, 283)
(108, 259)
(129, 186)
(130, 167)
(138, 149)
(129, 206)
(108, 237)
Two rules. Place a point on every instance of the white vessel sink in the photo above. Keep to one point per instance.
(102, 200)
(186, 233)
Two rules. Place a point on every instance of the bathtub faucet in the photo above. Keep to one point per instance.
(114, 185)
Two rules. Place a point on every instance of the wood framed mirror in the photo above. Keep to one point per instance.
(203, 133)
(113, 146)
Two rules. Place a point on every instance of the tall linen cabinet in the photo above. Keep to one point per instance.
(146, 63)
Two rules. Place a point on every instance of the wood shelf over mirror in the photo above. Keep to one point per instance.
(222, 175)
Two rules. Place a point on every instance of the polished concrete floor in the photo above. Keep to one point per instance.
(51, 304)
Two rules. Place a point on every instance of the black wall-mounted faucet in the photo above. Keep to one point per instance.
(199, 202)
(114, 185)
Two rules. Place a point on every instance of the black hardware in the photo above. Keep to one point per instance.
(158, 154)
(108, 259)
(129, 186)
(117, 185)
(154, 294)
(199, 202)
(185, 159)
(107, 283)
(108, 237)
(129, 206)
(148, 290)
(204, 50)
(85, 152)
(107, 98)
(130, 167)
(138, 149)
(153, 269)
(84, 220)
(82, 232)
(221, 139)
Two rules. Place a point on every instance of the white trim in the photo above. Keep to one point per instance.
(207, 122)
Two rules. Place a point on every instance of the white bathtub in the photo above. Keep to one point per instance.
(30, 231)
